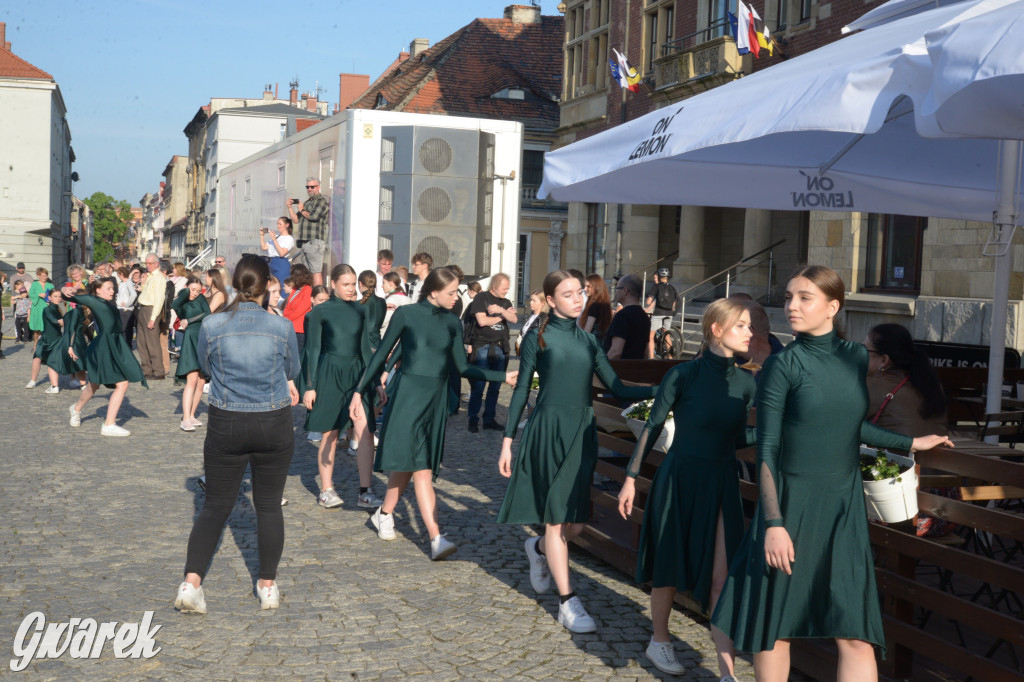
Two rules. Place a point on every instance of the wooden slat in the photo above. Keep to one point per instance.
(948, 653)
(981, 493)
(991, 520)
(974, 615)
(985, 468)
(957, 560)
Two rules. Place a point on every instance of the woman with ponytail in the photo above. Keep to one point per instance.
(251, 358)
(339, 342)
(412, 436)
(376, 307)
(904, 393)
(553, 472)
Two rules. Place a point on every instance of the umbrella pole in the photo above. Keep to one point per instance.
(1009, 178)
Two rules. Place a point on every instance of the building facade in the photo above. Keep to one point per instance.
(925, 273)
(35, 176)
(175, 205)
(505, 69)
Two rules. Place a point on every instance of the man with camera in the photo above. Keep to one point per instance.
(661, 306)
(311, 218)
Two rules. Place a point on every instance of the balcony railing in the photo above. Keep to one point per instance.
(707, 54)
(716, 29)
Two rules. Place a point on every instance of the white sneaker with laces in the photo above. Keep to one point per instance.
(31, 384)
(190, 599)
(114, 430)
(540, 576)
(385, 524)
(270, 597)
(575, 618)
(368, 500)
(329, 499)
(353, 447)
(663, 656)
(52, 389)
(76, 416)
(186, 426)
(441, 548)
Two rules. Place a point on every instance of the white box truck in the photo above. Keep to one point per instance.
(446, 185)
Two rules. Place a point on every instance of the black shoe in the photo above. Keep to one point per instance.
(473, 428)
(494, 426)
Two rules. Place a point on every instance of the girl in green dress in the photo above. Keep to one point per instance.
(376, 310)
(108, 360)
(76, 334)
(39, 294)
(53, 322)
(191, 308)
(693, 520)
(338, 339)
(411, 449)
(553, 473)
(804, 568)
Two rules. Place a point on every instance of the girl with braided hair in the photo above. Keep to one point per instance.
(551, 478)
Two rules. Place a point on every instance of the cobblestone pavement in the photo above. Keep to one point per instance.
(96, 528)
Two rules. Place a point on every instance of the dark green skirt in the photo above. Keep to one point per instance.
(554, 468)
(336, 379)
(108, 361)
(188, 358)
(412, 435)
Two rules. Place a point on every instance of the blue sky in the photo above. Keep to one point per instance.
(133, 73)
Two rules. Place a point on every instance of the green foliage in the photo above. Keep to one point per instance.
(642, 410)
(879, 468)
(110, 219)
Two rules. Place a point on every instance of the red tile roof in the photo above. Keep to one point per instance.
(458, 75)
(13, 66)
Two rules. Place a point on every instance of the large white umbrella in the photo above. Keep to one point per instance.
(920, 116)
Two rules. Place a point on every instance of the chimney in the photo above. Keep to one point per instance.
(268, 94)
(3, 34)
(293, 93)
(523, 14)
(311, 102)
(351, 86)
(418, 45)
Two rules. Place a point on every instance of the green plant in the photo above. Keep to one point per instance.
(879, 468)
(535, 383)
(642, 410)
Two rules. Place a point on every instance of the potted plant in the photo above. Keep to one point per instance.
(890, 485)
(636, 416)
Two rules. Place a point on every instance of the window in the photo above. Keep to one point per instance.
(523, 268)
(281, 176)
(248, 188)
(595, 238)
(652, 40)
(598, 71)
(713, 18)
(894, 252)
(387, 202)
(533, 167)
(792, 12)
(385, 241)
(659, 28)
(284, 130)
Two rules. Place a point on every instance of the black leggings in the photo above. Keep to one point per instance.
(265, 441)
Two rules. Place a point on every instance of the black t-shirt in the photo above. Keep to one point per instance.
(496, 333)
(633, 326)
(664, 295)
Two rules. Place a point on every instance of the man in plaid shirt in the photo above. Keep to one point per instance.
(311, 218)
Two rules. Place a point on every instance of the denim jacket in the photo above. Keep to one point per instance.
(249, 356)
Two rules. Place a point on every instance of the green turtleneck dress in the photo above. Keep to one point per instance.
(108, 359)
(337, 349)
(811, 400)
(50, 338)
(195, 311)
(412, 435)
(554, 468)
(709, 398)
(74, 335)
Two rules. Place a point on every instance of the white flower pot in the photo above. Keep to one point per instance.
(892, 499)
(664, 441)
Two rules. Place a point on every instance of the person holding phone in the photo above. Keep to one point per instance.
(277, 246)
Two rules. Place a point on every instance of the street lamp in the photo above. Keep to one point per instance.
(501, 242)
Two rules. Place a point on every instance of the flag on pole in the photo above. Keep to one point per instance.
(763, 38)
(750, 13)
(626, 75)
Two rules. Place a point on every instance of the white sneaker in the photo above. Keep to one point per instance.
(385, 525)
(114, 430)
(284, 501)
(186, 426)
(190, 599)
(270, 597)
(663, 656)
(368, 500)
(540, 576)
(206, 388)
(329, 499)
(575, 618)
(353, 447)
(441, 548)
(52, 389)
(76, 417)
(31, 384)
(376, 439)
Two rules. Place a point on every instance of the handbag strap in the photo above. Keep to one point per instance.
(888, 397)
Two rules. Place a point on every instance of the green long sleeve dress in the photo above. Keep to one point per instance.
(377, 309)
(337, 350)
(554, 469)
(108, 359)
(50, 338)
(710, 398)
(412, 435)
(194, 311)
(73, 337)
(811, 400)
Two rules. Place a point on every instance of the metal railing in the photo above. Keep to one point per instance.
(717, 29)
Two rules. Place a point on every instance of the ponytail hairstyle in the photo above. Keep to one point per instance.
(551, 282)
(895, 341)
(250, 281)
(368, 278)
(317, 290)
(437, 280)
